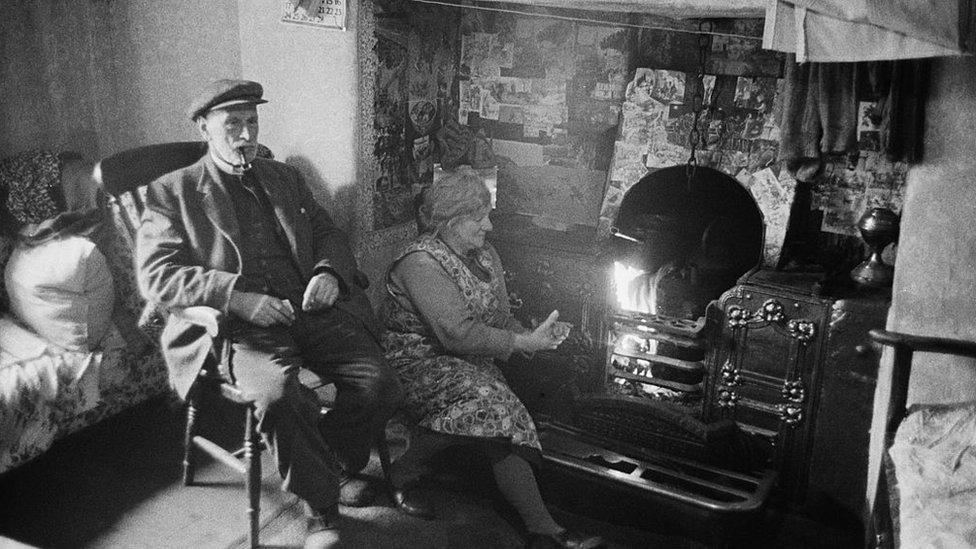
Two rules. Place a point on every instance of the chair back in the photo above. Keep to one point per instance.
(125, 171)
(123, 174)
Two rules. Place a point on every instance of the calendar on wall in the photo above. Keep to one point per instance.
(318, 13)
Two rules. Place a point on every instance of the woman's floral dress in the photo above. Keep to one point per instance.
(456, 395)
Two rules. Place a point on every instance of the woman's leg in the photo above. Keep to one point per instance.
(414, 463)
(517, 483)
(408, 468)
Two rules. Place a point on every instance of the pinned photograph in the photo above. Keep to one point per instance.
(669, 87)
(868, 126)
(755, 93)
(639, 89)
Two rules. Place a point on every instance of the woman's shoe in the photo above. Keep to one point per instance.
(566, 539)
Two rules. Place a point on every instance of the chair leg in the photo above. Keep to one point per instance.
(880, 530)
(252, 457)
(189, 456)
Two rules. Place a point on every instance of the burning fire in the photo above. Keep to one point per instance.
(635, 291)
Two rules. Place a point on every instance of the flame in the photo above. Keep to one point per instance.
(635, 292)
(638, 293)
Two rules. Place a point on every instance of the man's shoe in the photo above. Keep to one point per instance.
(321, 521)
(566, 539)
(322, 528)
(410, 502)
(355, 491)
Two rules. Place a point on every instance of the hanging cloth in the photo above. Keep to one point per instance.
(903, 109)
(819, 115)
(820, 107)
(863, 30)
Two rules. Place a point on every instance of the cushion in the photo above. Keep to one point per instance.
(18, 343)
(63, 290)
(934, 456)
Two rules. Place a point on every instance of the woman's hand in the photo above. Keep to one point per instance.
(545, 336)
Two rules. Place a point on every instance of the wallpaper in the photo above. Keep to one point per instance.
(577, 111)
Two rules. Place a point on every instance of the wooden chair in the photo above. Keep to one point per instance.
(124, 176)
(880, 531)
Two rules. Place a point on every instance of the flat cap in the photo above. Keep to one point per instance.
(221, 94)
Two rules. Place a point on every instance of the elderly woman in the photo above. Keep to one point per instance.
(448, 319)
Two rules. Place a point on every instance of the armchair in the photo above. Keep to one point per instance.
(942, 426)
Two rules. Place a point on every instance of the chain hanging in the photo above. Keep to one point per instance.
(696, 138)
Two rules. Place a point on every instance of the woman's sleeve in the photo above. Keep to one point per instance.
(437, 299)
(510, 322)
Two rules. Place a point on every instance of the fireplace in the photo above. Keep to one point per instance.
(684, 240)
(680, 242)
(677, 244)
(721, 384)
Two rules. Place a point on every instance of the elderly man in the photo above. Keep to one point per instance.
(245, 236)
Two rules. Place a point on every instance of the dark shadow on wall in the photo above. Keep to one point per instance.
(340, 203)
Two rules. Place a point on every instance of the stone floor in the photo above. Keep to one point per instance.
(118, 485)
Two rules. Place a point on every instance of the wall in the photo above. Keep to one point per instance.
(310, 80)
(99, 77)
(935, 276)
(935, 282)
(167, 50)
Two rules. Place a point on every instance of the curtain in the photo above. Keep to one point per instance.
(56, 57)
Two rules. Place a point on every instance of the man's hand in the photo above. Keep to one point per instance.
(321, 292)
(261, 309)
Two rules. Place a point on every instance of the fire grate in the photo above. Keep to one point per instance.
(655, 356)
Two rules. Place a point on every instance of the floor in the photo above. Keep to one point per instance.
(85, 492)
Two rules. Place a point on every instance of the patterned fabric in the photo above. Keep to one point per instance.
(465, 396)
(37, 395)
(57, 394)
(118, 247)
(33, 182)
(6, 248)
(125, 379)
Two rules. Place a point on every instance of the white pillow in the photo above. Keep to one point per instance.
(18, 343)
(62, 289)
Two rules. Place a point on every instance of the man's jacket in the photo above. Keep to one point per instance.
(187, 252)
